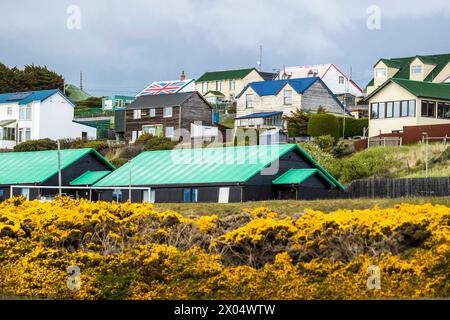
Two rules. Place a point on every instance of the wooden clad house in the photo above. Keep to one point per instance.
(162, 115)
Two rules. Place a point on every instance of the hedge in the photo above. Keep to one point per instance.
(322, 125)
(353, 127)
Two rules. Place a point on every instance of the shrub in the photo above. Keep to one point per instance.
(326, 143)
(36, 145)
(297, 123)
(98, 145)
(151, 142)
(323, 124)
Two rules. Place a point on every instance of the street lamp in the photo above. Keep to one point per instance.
(425, 136)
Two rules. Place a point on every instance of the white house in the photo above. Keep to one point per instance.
(36, 115)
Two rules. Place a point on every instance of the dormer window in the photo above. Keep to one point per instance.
(380, 73)
(416, 69)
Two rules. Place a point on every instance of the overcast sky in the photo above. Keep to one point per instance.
(122, 46)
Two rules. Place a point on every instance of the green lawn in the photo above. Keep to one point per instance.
(292, 207)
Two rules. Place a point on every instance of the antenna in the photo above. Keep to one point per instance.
(260, 58)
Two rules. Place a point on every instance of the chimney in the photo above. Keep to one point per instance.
(182, 76)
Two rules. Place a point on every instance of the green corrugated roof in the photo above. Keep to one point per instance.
(420, 89)
(201, 166)
(298, 176)
(89, 178)
(225, 75)
(38, 166)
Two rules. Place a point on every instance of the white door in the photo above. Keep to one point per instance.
(145, 196)
(224, 195)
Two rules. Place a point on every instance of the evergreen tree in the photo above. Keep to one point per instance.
(297, 123)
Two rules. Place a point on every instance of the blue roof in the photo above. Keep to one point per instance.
(261, 115)
(27, 96)
(269, 88)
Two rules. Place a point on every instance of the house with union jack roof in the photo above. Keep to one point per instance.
(169, 86)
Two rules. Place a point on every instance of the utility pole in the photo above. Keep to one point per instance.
(59, 169)
(129, 190)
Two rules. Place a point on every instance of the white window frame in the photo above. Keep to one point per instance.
(9, 111)
(249, 100)
(169, 135)
(166, 114)
(152, 112)
(415, 68)
(24, 134)
(232, 84)
(218, 85)
(137, 114)
(25, 112)
(204, 87)
(287, 100)
(380, 70)
(341, 80)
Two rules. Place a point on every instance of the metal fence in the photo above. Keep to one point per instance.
(384, 142)
(395, 188)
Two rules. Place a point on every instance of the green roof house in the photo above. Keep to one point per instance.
(35, 170)
(231, 174)
(229, 82)
(410, 94)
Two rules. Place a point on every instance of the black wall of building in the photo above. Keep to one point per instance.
(260, 187)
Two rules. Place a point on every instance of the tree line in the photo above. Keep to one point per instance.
(30, 78)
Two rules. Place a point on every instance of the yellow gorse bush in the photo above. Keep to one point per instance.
(132, 251)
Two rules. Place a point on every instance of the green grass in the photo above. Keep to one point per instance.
(292, 207)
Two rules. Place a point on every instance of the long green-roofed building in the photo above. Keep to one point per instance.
(231, 174)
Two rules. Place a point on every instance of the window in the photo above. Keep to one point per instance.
(204, 87)
(168, 112)
(25, 112)
(84, 135)
(117, 195)
(218, 85)
(412, 108)
(443, 110)
(8, 134)
(382, 110)
(429, 109)
(152, 112)
(9, 111)
(24, 134)
(389, 110)
(249, 100)
(190, 195)
(287, 97)
(169, 132)
(380, 72)
(416, 69)
(232, 84)
(149, 130)
(137, 114)
(397, 109)
(341, 80)
(232, 97)
(374, 111)
(404, 109)
(119, 103)
(25, 192)
(135, 135)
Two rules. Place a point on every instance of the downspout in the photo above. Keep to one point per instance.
(296, 191)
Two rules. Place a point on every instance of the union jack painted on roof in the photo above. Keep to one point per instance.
(168, 87)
